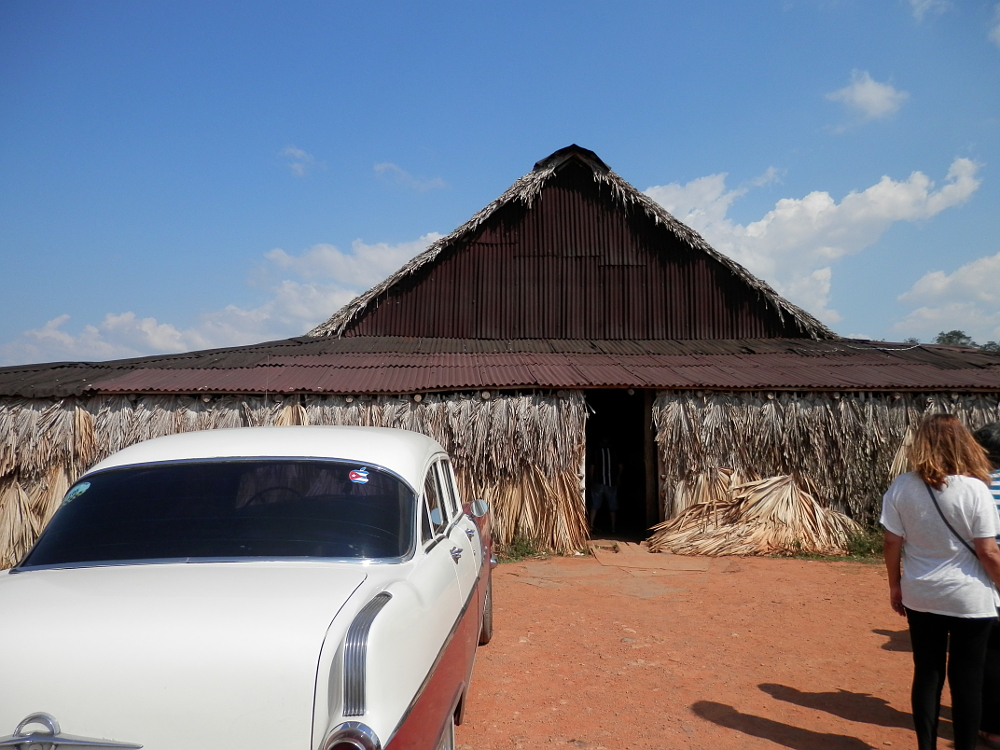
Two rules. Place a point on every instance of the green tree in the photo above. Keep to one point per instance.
(955, 338)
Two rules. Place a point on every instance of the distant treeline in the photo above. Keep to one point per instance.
(959, 338)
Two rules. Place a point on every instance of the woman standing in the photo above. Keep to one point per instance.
(943, 561)
(989, 729)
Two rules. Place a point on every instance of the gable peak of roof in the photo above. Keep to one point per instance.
(523, 192)
(557, 159)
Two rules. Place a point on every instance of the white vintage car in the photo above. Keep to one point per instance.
(278, 588)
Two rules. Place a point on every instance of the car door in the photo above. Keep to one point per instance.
(462, 532)
(437, 576)
(443, 555)
(466, 521)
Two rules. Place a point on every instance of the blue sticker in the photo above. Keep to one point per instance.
(358, 476)
(75, 492)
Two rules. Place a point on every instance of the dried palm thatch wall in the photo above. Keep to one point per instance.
(840, 446)
(522, 453)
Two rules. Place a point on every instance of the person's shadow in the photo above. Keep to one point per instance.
(768, 729)
(899, 640)
(860, 707)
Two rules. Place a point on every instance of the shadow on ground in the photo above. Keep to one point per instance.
(899, 640)
(860, 707)
(785, 735)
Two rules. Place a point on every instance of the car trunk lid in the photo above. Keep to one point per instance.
(192, 655)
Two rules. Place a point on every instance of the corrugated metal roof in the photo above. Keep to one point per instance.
(572, 250)
(403, 365)
(576, 264)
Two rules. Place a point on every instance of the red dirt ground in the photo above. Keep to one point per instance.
(743, 653)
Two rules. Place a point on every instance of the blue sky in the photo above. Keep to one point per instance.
(180, 175)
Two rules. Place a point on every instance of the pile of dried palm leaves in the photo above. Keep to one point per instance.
(521, 452)
(761, 517)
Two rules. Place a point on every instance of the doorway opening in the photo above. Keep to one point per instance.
(621, 423)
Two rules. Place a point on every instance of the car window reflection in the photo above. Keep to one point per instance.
(265, 508)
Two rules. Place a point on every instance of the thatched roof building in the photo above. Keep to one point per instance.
(572, 251)
(571, 307)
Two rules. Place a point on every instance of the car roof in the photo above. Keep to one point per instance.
(401, 451)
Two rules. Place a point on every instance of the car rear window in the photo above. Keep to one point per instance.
(273, 508)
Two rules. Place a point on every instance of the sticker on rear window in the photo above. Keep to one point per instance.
(358, 476)
(75, 492)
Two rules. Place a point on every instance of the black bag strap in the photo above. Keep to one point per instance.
(947, 523)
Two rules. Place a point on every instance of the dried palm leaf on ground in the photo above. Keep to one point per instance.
(785, 518)
(764, 517)
(711, 486)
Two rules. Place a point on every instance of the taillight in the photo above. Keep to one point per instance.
(352, 735)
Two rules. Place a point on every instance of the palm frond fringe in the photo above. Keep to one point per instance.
(844, 448)
(522, 453)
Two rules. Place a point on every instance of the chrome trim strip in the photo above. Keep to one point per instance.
(356, 655)
(54, 738)
(366, 561)
(434, 543)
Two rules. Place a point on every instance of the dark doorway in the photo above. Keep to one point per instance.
(621, 418)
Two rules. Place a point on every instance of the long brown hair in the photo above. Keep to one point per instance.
(943, 447)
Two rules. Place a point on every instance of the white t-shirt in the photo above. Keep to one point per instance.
(939, 574)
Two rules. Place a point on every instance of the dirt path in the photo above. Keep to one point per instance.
(734, 653)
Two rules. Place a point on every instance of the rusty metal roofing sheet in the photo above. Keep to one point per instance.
(399, 365)
(401, 375)
(574, 265)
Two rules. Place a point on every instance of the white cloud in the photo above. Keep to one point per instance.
(967, 299)
(703, 202)
(921, 8)
(926, 322)
(771, 174)
(978, 281)
(400, 176)
(359, 269)
(298, 161)
(995, 31)
(867, 98)
(116, 336)
(795, 245)
(302, 291)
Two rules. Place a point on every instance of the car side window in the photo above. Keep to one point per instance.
(447, 488)
(453, 483)
(426, 534)
(436, 511)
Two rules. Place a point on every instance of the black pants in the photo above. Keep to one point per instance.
(961, 642)
(991, 684)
